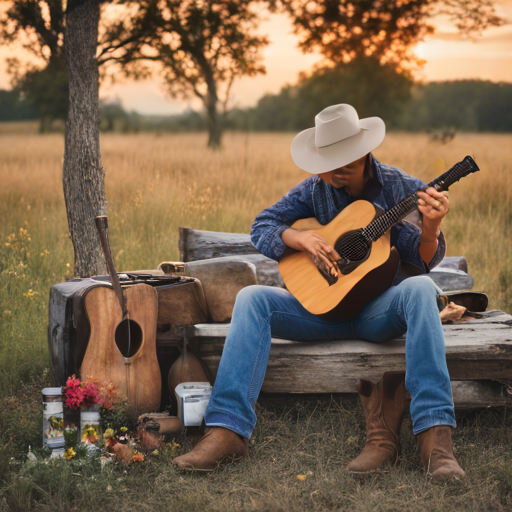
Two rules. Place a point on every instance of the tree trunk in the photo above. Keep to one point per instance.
(214, 121)
(83, 176)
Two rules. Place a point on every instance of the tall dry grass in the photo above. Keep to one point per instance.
(157, 183)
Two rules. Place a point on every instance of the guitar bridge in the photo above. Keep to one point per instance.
(329, 274)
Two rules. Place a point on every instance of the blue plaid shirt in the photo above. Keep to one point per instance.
(315, 198)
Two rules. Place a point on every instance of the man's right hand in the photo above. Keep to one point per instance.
(312, 243)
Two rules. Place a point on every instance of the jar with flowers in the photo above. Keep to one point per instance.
(93, 398)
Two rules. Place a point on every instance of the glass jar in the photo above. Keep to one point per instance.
(53, 418)
(89, 426)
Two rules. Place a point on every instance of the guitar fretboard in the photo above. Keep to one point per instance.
(381, 224)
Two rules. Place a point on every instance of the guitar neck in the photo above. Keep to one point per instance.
(381, 224)
(102, 227)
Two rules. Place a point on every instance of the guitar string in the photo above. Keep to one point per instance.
(388, 219)
(379, 226)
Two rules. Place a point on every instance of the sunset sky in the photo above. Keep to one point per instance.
(447, 56)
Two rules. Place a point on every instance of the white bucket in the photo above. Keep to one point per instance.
(193, 398)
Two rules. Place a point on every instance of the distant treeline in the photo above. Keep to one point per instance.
(466, 105)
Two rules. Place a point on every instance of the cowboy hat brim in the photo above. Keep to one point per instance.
(314, 160)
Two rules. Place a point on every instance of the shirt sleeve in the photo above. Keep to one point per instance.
(270, 223)
(406, 236)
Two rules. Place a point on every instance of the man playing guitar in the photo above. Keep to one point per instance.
(337, 152)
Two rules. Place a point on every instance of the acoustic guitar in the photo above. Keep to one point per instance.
(122, 341)
(367, 266)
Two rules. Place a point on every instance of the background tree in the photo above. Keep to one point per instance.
(369, 45)
(386, 29)
(83, 176)
(202, 47)
(295, 107)
(39, 26)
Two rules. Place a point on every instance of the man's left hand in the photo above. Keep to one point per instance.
(434, 205)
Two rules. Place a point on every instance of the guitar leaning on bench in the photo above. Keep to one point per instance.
(360, 234)
(122, 340)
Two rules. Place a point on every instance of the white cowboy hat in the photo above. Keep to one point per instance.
(339, 138)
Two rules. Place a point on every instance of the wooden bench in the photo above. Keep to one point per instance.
(478, 350)
(478, 353)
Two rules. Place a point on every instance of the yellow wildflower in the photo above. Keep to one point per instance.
(30, 294)
(301, 477)
(109, 433)
(69, 453)
(174, 447)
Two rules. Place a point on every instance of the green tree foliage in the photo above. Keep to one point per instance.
(202, 47)
(373, 89)
(386, 29)
(39, 26)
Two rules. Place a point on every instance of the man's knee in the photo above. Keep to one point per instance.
(421, 284)
(254, 296)
(250, 294)
(419, 287)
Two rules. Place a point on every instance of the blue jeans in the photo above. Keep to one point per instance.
(261, 310)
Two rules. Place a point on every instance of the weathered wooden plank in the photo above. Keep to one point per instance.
(471, 394)
(196, 244)
(466, 394)
(475, 349)
(487, 319)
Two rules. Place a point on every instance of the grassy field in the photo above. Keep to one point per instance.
(156, 184)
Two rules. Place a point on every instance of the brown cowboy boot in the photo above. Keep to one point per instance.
(435, 445)
(383, 406)
(216, 446)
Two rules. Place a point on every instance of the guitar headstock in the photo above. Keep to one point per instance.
(471, 164)
(458, 171)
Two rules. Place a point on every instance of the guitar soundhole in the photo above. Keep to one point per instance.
(128, 337)
(352, 246)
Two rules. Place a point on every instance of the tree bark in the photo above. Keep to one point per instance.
(211, 100)
(83, 175)
(214, 126)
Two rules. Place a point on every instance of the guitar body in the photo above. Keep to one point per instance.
(124, 351)
(345, 298)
